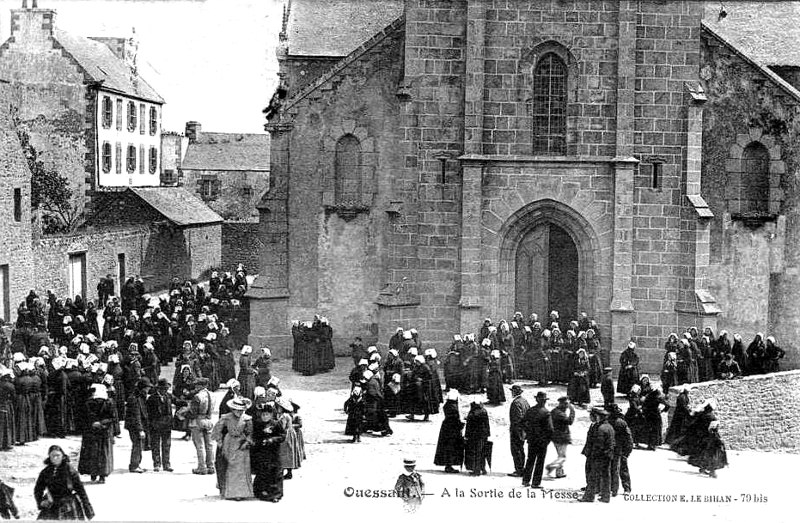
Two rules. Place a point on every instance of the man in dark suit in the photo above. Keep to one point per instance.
(599, 452)
(516, 429)
(136, 423)
(539, 432)
(159, 415)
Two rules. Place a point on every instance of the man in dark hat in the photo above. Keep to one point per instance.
(562, 416)
(136, 422)
(516, 429)
(539, 432)
(607, 387)
(159, 414)
(623, 446)
(599, 452)
(201, 426)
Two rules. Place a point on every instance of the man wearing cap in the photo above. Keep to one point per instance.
(136, 423)
(539, 432)
(563, 416)
(200, 424)
(516, 429)
(599, 452)
(159, 415)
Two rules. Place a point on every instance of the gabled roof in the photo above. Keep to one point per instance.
(333, 28)
(102, 65)
(177, 205)
(228, 152)
(766, 71)
(769, 32)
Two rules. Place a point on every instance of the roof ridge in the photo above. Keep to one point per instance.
(772, 75)
(346, 61)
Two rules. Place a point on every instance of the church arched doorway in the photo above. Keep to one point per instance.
(547, 272)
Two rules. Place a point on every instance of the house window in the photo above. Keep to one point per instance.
(549, 108)
(209, 188)
(142, 159)
(108, 112)
(247, 192)
(153, 120)
(106, 157)
(17, 205)
(131, 116)
(131, 159)
(153, 160)
(119, 114)
(118, 157)
(168, 176)
(754, 187)
(141, 119)
(348, 171)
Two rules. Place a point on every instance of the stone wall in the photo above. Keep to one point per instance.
(755, 412)
(204, 247)
(15, 236)
(51, 255)
(240, 244)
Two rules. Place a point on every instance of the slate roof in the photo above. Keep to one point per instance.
(177, 205)
(768, 32)
(102, 65)
(333, 28)
(228, 152)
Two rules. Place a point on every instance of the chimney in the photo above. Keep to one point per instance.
(31, 23)
(193, 130)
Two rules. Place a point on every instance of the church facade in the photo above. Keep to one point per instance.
(470, 159)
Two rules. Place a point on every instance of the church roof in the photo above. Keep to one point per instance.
(177, 205)
(766, 71)
(102, 65)
(768, 32)
(228, 152)
(333, 28)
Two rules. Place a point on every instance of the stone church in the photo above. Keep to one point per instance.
(435, 163)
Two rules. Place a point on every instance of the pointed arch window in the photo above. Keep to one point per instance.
(348, 180)
(549, 109)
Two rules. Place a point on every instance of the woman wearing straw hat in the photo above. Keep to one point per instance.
(233, 433)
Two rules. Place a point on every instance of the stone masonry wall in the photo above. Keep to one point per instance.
(15, 239)
(755, 412)
(237, 192)
(240, 244)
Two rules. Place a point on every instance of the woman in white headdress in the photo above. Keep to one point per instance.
(450, 446)
(247, 374)
(7, 419)
(97, 445)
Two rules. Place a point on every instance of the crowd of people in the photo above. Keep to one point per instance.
(313, 346)
(63, 372)
(694, 358)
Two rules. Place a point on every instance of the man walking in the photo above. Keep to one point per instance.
(516, 430)
(159, 413)
(201, 426)
(623, 446)
(136, 423)
(539, 431)
(562, 416)
(599, 451)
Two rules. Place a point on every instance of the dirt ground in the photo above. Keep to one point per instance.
(339, 479)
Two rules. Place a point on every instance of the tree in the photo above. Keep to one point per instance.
(50, 191)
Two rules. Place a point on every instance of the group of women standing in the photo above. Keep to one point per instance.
(313, 346)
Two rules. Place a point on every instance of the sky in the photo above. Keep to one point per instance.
(213, 61)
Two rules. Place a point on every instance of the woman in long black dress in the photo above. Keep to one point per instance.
(97, 446)
(495, 394)
(476, 434)
(268, 434)
(578, 388)
(680, 418)
(450, 446)
(59, 492)
(354, 408)
(652, 416)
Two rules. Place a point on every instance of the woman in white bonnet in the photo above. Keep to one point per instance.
(247, 374)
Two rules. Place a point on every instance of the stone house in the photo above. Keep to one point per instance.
(470, 159)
